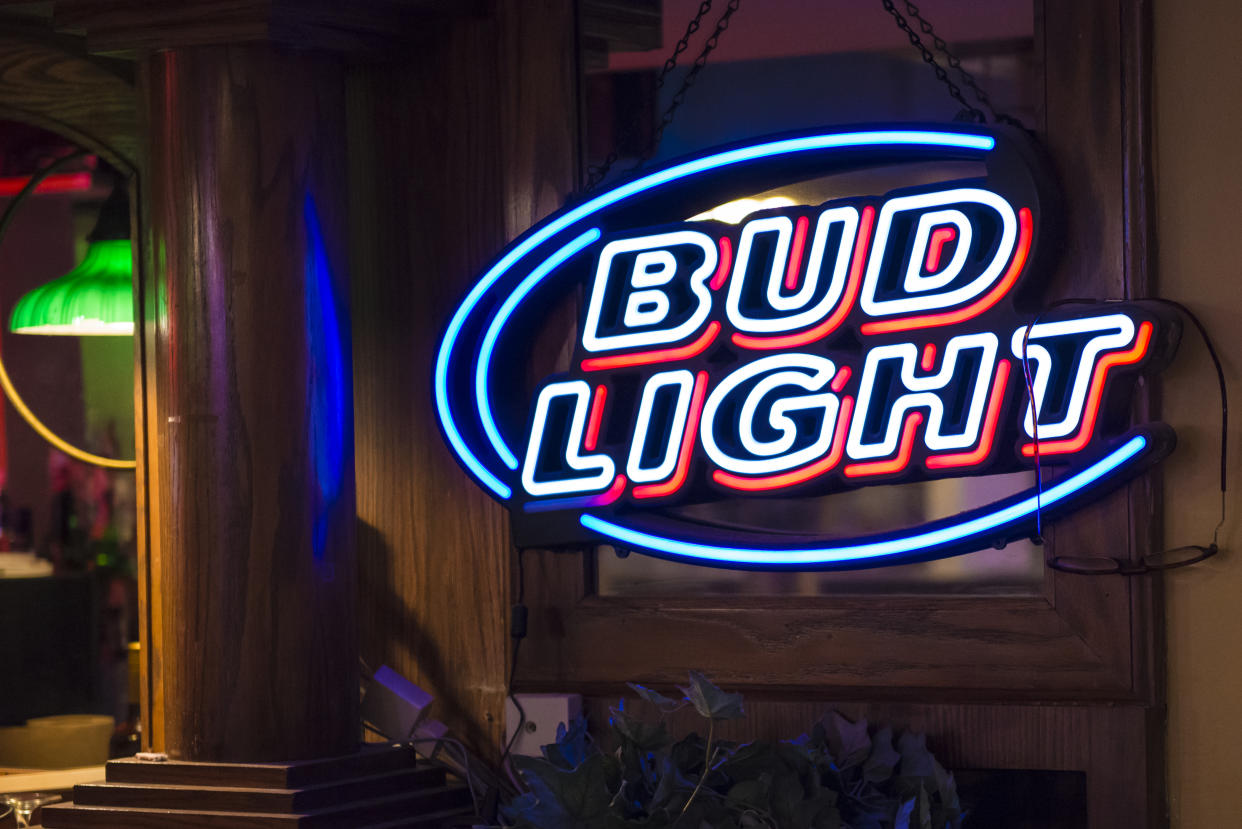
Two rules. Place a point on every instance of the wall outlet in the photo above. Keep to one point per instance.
(544, 712)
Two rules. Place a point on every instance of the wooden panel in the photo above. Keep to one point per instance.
(624, 25)
(135, 26)
(245, 197)
(939, 648)
(68, 93)
(453, 151)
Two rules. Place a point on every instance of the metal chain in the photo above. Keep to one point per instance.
(955, 63)
(691, 76)
(968, 110)
(600, 172)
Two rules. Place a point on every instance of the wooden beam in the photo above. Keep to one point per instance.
(129, 27)
(624, 25)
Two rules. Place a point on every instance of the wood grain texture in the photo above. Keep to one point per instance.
(132, 27)
(369, 788)
(454, 150)
(624, 25)
(71, 95)
(245, 199)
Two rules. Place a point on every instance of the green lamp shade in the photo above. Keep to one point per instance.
(96, 297)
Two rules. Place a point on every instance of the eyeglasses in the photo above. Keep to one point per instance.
(1152, 563)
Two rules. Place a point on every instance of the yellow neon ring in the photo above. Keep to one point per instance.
(50, 436)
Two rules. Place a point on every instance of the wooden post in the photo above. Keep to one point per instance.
(245, 204)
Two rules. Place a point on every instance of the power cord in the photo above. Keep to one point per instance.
(517, 630)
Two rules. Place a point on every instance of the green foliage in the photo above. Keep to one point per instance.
(842, 775)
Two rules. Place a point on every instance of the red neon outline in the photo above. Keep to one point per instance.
(897, 464)
(687, 444)
(596, 418)
(664, 355)
(795, 255)
(928, 361)
(726, 262)
(607, 496)
(796, 476)
(1025, 232)
(1094, 397)
(935, 247)
(55, 183)
(843, 377)
(980, 453)
(848, 298)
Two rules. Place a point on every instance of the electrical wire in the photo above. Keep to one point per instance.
(1220, 380)
(518, 633)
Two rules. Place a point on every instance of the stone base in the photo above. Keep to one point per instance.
(377, 788)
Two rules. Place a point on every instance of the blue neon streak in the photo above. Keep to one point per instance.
(329, 380)
(874, 549)
(929, 138)
(481, 373)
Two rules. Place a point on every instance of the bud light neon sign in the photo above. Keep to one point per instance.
(807, 350)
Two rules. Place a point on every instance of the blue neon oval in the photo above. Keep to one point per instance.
(981, 525)
(564, 220)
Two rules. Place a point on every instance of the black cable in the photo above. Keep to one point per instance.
(517, 630)
(1220, 380)
(1030, 395)
(35, 180)
(1224, 400)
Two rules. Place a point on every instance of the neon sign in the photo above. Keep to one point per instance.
(807, 350)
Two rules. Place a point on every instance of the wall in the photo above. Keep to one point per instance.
(1199, 179)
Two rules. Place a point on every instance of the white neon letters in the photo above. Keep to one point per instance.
(1105, 333)
(929, 292)
(655, 266)
(683, 383)
(794, 310)
(804, 372)
(922, 392)
(599, 468)
(728, 378)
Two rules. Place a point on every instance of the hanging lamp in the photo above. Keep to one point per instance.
(97, 296)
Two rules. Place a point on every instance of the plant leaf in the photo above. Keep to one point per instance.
(640, 735)
(710, 701)
(573, 799)
(905, 812)
(883, 758)
(665, 704)
(573, 744)
(848, 741)
(916, 760)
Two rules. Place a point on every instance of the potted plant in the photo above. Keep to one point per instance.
(840, 775)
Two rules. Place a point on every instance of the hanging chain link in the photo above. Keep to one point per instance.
(955, 63)
(600, 172)
(969, 112)
(691, 76)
